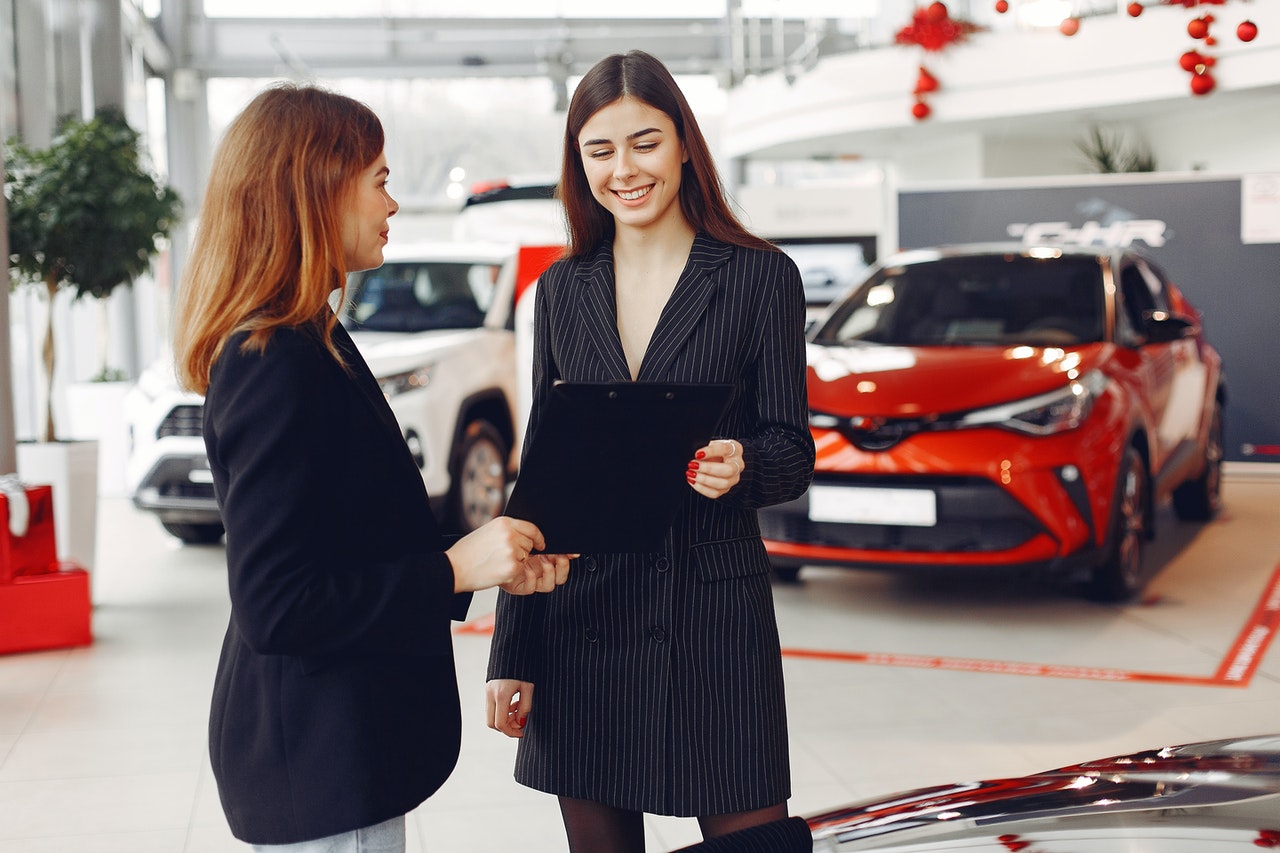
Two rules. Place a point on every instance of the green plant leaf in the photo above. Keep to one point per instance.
(84, 209)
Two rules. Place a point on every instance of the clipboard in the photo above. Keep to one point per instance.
(605, 472)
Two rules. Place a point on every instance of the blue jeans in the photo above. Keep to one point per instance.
(386, 837)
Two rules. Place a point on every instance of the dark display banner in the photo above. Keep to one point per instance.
(1191, 228)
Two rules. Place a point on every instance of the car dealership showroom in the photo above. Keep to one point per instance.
(1028, 601)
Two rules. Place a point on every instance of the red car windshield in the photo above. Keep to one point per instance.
(997, 300)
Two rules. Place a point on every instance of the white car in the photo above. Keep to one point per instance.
(167, 471)
(435, 324)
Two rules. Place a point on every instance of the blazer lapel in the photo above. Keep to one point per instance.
(364, 380)
(685, 308)
(598, 311)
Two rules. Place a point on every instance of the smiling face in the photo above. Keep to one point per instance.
(364, 222)
(632, 158)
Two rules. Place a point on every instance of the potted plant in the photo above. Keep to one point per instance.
(85, 214)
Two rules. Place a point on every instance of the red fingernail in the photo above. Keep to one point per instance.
(520, 722)
(690, 476)
(693, 466)
(701, 454)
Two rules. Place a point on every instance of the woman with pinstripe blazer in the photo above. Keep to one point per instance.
(658, 675)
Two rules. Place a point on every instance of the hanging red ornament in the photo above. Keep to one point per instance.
(933, 33)
(1134, 9)
(1002, 6)
(1198, 28)
(925, 82)
(1247, 31)
(1191, 60)
(1069, 26)
(1202, 84)
(933, 29)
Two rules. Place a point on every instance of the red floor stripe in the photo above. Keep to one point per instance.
(1251, 645)
(1000, 667)
(1236, 670)
(482, 625)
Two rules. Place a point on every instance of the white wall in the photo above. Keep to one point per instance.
(1237, 135)
(1015, 87)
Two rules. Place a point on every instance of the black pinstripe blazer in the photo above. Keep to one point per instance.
(736, 316)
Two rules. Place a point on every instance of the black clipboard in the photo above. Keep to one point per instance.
(605, 471)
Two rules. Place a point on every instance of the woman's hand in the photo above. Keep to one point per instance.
(542, 573)
(498, 553)
(716, 468)
(503, 711)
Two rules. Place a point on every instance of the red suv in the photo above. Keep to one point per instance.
(1006, 406)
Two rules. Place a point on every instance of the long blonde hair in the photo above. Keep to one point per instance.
(268, 247)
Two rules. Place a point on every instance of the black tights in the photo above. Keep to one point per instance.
(596, 828)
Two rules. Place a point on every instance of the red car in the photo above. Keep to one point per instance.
(1006, 406)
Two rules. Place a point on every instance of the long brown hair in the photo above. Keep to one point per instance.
(702, 198)
(268, 248)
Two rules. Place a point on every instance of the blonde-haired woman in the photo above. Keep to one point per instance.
(335, 707)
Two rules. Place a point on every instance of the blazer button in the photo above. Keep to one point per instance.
(590, 563)
(662, 564)
(658, 634)
(591, 635)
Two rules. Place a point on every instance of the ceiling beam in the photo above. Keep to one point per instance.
(488, 47)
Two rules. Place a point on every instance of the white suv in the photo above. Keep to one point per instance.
(435, 324)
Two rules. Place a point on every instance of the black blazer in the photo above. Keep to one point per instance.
(335, 704)
(736, 316)
(637, 657)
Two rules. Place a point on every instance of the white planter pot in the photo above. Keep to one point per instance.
(71, 468)
(95, 412)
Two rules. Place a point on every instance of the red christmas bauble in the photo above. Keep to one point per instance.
(1190, 60)
(920, 110)
(1202, 84)
(937, 11)
(1198, 28)
(1247, 31)
(1002, 6)
(1069, 26)
(925, 82)
(1134, 9)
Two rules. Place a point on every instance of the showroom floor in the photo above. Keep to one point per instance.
(892, 684)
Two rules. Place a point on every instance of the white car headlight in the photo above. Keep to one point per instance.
(399, 383)
(1044, 414)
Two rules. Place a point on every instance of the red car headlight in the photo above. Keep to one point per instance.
(1044, 414)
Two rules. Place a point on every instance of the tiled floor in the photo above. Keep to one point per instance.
(102, 749)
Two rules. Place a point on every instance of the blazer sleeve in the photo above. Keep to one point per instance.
(778, 453)
(301, 580)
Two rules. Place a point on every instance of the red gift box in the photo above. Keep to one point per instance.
(46, 611)
(36, 551)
